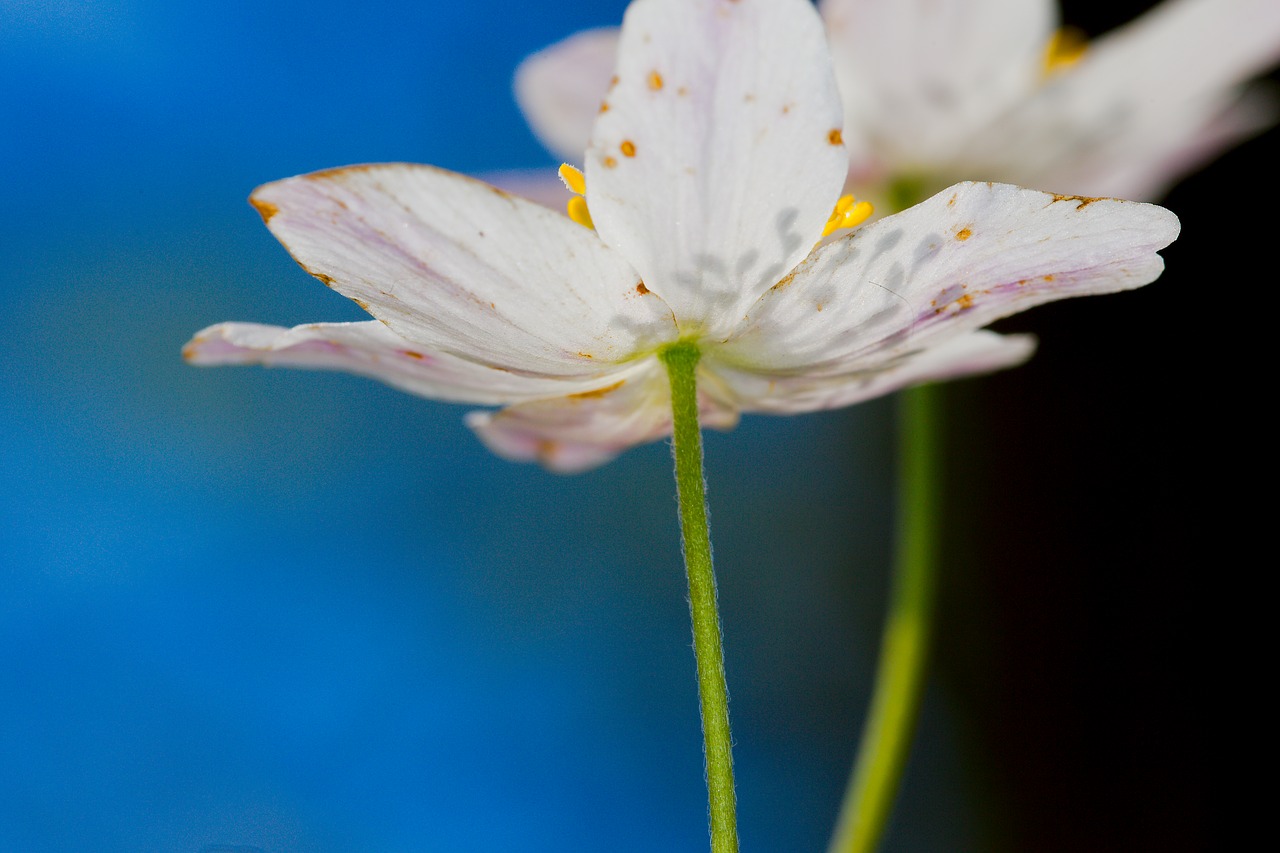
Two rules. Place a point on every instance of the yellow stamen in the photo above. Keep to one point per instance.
(1065, 48)
(577, 206)
(577, 210)
(848, 213)
(573, 179)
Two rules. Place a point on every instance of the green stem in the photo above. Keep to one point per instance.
(713, 695)
(895, 704)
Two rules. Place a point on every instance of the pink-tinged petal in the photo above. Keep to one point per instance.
(918, 77)
(1141, 94)
(371, 349)
(541, 185)
(718, 158)
(969, 354)
(560, 89)
(457, 266)
(578, 432)
(1153, 172)
(960, 260)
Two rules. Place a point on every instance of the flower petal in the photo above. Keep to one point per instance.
(371, 349)
(918, 77)
(578, 432)
(969, 354)
(718, 159)
(456, 266)
(1137, 96)
(958, 261)
(541, 185)
(560, 89)
(1161, 160)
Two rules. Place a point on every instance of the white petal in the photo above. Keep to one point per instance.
(541, 185)
(1160, 160)
(456, 266)
(968, 354)
(1140, 95)
(960, 260)
(575, 433)
(371, 349)
(919, 76)
(1183, 49)
(718, 159)
(560, 89)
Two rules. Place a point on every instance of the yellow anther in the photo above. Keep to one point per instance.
(577, 210)
(573, 179)
(860, 213)
(848, 213)
(1065, 48)
(577, 206)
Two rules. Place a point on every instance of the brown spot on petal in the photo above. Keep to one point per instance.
(609, 162)
(337, 172)
(835, 137)
(628, 148)
(655, 80)
(1085, 201)
(604, 106)
(641, 289)
(585, 355)
(964, 234)
(599, 392)
(417, 355)
(785, 281)
(682, 91)
(189, 352)
(951, 201)
(265, 208)
(1048, 278)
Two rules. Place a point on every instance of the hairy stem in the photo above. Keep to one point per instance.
(682, 362)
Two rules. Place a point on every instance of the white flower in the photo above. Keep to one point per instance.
(710, 177)
(937, 91)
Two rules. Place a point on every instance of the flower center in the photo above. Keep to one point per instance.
(848, 211)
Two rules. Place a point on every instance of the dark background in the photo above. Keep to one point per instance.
(285, 611)
(1091, 629)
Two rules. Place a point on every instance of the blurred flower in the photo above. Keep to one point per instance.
(938, 92)
(712, 174)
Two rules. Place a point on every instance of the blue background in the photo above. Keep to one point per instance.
(285, 611)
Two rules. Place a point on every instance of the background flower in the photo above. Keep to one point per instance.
(280, 610)
(1000, 90)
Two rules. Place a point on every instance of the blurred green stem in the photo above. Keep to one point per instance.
(904, 643)
(904, 647)
(682, 364)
